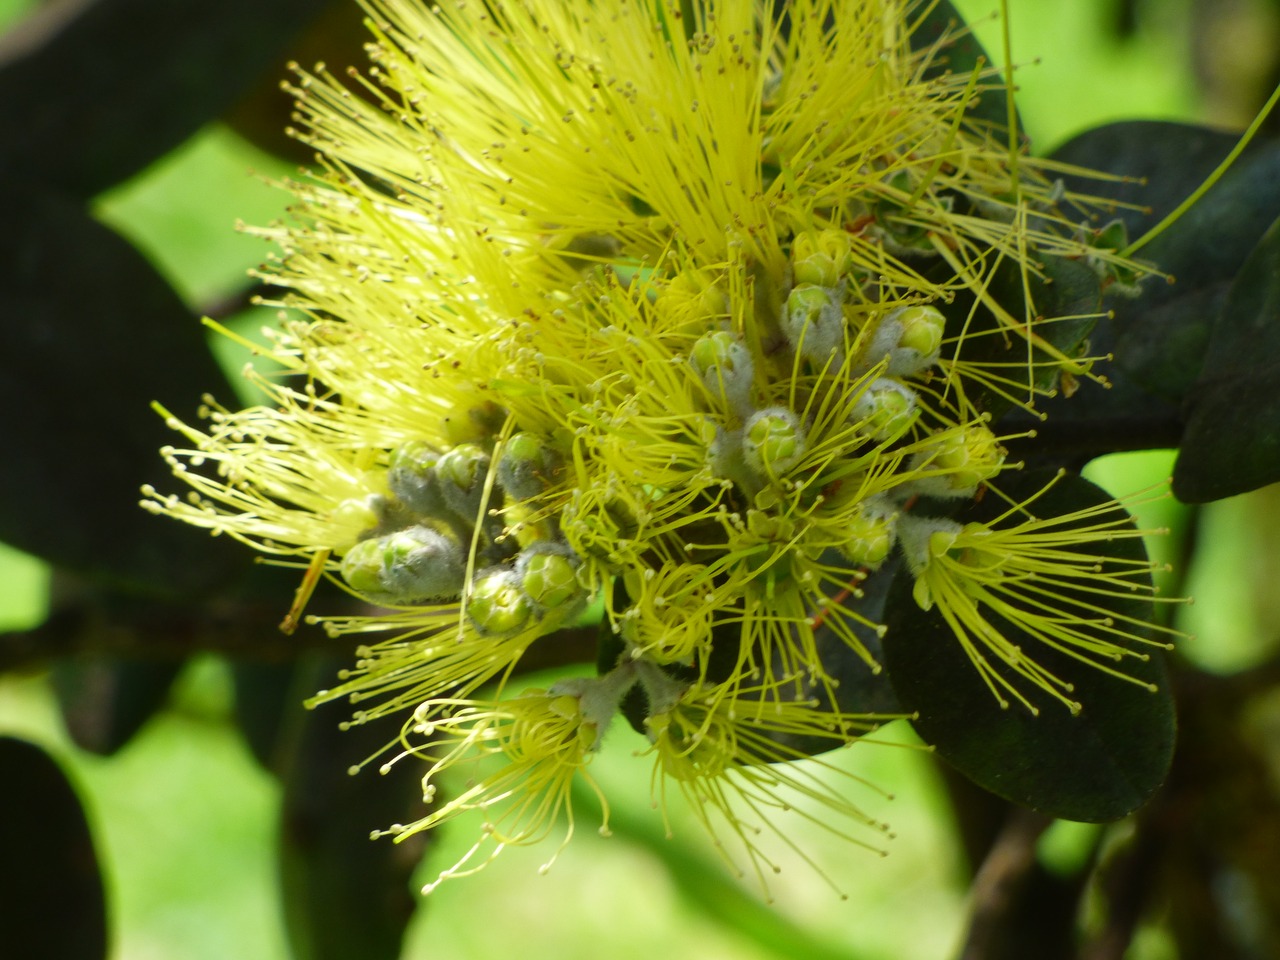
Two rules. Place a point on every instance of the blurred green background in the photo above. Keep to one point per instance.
(186, 821)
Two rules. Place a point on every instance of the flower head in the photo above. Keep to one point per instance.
(601, 303)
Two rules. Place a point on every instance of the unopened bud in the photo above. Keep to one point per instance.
(411, 477)
(725, 366)
(527, 465)
(871, 534)
(410, 565)
(910, 338)
(813, 323)
(885, 409)
(497, 604)
(461, 473)
(822, 258)
(773, 441)
(549, 576)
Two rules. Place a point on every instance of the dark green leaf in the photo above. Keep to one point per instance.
(89, 100)
(91, 336)
(267, 695)
(105, 701)
(859, 689)
(50, 885)
(1067, 289)
(347, 897)
(1232, 440)
(1159, 338)
(1098, 765)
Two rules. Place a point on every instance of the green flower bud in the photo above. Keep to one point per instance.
(497, 604)
(871, 534)
(527, 465)
(922, 328)
(813, 323)
(885, 410)
(549, 576)
(911, 339)
(821, 259)
(725, 366)
(411, 477)
(461, 473)
(773, 441)
(407, 566)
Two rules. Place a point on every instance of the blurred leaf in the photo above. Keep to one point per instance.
(90, 100)
(50, 886)
(92, 336)
(1232, 440)
(266, 696)
(346, 897)
(1096, 766)
(105, 701)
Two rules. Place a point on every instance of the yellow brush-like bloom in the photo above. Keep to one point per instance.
(595, 304)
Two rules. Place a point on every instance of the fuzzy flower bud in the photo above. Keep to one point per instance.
(773, 441)
(871, 533)
(497, 604)
(526, 466)
(909, 337)
(549, 576)
(964, 458)
(725, 366)
(411, 477)
(814, 323)
(885, 409)
(418, 563)
(461, 473)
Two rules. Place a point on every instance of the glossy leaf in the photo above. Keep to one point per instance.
(50, 885)
(1095, 766)
(1232, 439)
(1067, 289)
(89, 100)
(347, 897)
(1160, 338)
(93, 335)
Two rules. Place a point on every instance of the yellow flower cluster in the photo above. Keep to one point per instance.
(596, 305)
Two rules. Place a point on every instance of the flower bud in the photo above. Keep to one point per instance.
(410, 565)
(725, 366)
(885, 409)
(411, 477)
(549, 576)
(527, 465)
(872, 533)
(821, 259)
(813, 323)
(922, 328)
(497, 604)
(773, 441)
(909, 337)
(461, 473)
